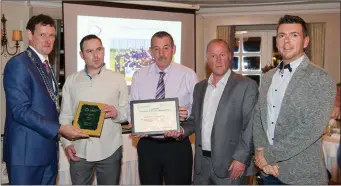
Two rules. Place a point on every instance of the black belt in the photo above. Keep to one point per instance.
(206, 153)
(160, 139)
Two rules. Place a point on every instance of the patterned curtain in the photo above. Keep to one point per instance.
(228, 34)
(315, 49)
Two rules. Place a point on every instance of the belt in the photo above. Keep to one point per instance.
(160, 139)
(206, 153)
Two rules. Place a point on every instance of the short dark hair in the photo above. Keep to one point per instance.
(39, 19)
(86, 38)
(162, 34)
(291, 19)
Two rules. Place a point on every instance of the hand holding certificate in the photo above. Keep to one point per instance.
(154, 116)
(183, 113)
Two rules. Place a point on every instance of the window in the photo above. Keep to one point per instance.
(254, 50)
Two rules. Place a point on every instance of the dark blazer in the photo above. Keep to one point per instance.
(304, 114)
(31, 126)
(231, 137)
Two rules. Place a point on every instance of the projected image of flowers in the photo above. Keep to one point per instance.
(129, 55)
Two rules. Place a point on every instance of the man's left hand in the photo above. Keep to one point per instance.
(174, 133)
(183, 113)
(237, 169)
(110, 111)
(259, 158)
(271, 170)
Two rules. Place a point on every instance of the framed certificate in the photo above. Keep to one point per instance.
(154, 116)
(89, 118)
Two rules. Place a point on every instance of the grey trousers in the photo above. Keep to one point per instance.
(208, 177)
(108, 171)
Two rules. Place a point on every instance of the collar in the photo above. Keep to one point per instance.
(87, 73)
(41, 57)
(222, 80)
(157, 70)
(293, 65)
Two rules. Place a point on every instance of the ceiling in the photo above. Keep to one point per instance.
(202, 3)
(240, 3)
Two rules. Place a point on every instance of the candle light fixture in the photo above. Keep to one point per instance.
(16, 36)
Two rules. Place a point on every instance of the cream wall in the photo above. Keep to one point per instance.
(207, 24)
(54, 12)
(17, 16)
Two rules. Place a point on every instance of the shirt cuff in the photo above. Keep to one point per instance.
(65, 142)
(188, 113)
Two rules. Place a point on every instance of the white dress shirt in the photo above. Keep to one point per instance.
(107, 87)
(211, 102)
(280, 81)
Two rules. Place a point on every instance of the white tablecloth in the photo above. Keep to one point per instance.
(129, 174)
(330, 146)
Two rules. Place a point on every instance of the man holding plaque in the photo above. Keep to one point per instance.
(222, 107)
(32, 127)
(98, 85)
(164, 159)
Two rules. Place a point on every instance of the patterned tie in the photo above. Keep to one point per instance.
(160, 90)
(49, 75)
(46, 64)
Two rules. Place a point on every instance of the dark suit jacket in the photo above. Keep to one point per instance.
(231, 137)
(31, 116)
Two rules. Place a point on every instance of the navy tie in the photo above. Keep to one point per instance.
(286, 66)
(160, 90)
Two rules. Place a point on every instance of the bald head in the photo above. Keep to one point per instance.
(218, 41)
(218, 58)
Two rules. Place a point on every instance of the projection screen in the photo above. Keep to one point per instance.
(125, 31)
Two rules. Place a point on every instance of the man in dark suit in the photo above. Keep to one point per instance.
(32, 128)
(294, 106)
(221, 110)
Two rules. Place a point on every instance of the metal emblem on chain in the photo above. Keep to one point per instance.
(53, 94)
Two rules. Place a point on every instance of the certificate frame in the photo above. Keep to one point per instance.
(93, 133)
(172, 117)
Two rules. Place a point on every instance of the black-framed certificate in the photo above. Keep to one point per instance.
(89, 118)
(154, 116)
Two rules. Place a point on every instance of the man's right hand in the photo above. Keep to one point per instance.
(271, 170)
(70, 132)
(71, 153)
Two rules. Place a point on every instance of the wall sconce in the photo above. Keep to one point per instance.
(16, 36)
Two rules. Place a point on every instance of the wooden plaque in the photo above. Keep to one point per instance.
(89, 118)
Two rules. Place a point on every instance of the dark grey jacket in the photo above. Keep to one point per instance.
(231, 137)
